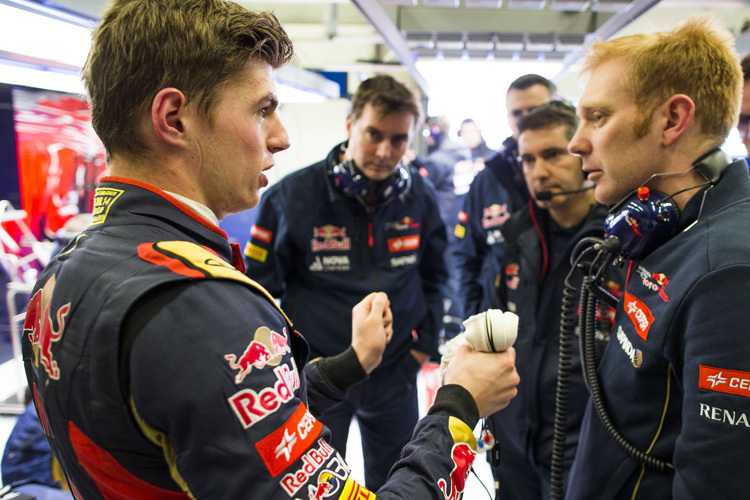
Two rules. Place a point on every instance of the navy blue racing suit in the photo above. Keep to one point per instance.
(160, 371)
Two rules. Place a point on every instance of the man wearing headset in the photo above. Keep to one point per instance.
(356, 222)
(540, 240)
(495, 193)
(675, 378)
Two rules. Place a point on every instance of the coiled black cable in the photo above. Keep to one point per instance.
(567, 326)
(592, 378)
(590, 294)
(567, 329)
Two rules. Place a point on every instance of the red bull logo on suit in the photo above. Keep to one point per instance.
(266, 348)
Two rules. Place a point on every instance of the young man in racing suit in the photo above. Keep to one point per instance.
(158, 369)
(673, 379)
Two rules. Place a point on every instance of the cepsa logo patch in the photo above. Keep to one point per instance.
(403, 244)
(723, 380)
(639, 314)
(286, 444)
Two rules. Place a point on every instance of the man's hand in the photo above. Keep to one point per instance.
(372, 329)
(491, 378)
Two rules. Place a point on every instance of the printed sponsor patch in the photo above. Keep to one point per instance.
(463, 458)
(403, 243)
(255, 252)
(724, 415)
(355, 491)
(495, 215)
(723, 380)
(404, 260)
(635, 355)
(512, 275)
(330, 263)
(261, 234)
(44, 326)
(639, 314)
(285, 445)
(654, 281)
(459, 231)
(253, 406)
(494, 236)
(402, 225)
(330, 237)
(104, 198)
(312, 461)
(266, 348)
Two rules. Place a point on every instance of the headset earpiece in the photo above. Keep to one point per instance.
(642, 222)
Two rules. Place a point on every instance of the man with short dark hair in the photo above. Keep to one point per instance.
(540, 240)
(495, 193)
(358, 221)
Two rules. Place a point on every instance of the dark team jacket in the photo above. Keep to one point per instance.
(495, 193)
(160, 371)
(532, 286)
(676, 373)
(321, 252)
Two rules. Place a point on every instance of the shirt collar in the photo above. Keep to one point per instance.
(196, 207)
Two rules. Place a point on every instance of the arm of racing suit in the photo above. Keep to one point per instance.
(225, 404)
(710, 330)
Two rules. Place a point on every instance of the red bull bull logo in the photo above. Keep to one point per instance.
(495, 215)
(333, 238)
(634, 224)
(660, 278)
(255, 356)
(279, 343)
(44, 328)
(266, 348)
(319, 491)
(463, 458)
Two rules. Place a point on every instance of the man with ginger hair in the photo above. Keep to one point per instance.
(673, 380)
(158, 369)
